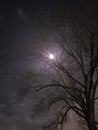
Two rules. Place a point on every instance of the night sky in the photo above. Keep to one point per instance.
(23, 28)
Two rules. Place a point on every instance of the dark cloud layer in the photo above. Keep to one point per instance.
(22, 26)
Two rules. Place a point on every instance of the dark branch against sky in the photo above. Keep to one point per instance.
(22, 25)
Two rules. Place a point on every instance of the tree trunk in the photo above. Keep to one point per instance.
(91, 117)
(92, 126)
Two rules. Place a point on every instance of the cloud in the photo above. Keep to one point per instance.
(2, 105)
(16, 123)
(1, 19)
(21, 14)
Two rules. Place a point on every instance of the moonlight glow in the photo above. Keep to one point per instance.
(51, 56)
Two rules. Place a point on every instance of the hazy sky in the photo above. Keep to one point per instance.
(23, 24)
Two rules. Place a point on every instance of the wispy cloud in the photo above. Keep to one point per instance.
(16, 123)
(21, 14)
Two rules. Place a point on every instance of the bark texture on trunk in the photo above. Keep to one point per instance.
(92, 126)
(91, 117)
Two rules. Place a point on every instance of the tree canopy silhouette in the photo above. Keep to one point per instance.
(75, 74)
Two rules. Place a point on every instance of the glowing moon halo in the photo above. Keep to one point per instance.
(51, 56)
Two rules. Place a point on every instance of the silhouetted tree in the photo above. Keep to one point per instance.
(76, 71)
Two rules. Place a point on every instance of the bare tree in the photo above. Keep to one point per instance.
(76, 74)
(75, 71)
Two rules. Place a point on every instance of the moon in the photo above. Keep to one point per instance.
(51, 56)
